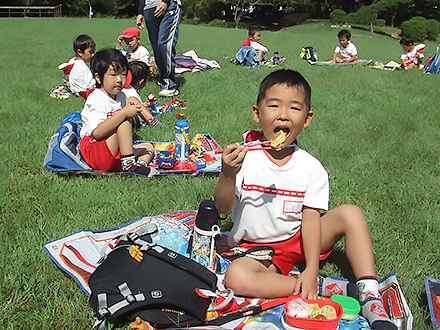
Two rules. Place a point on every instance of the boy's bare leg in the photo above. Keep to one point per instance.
(122, 140)
(251, 278)
(349, 221)
(144, 152)
(125, 138)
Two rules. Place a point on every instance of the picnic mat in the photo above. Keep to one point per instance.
(63, 155)
(78, 256)
(433, 295)
(329, 63)
(191, 62)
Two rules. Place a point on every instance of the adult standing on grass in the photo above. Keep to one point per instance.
(162, 19)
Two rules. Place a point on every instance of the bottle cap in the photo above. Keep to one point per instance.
(207, 215)
(181, 116)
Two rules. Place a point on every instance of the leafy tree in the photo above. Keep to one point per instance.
(415, 28)
(432, 29)
(338, 16)
(208, 10)
(240, 7)
(390, 6)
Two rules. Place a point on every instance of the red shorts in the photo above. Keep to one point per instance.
(98, 156)
(287, 253)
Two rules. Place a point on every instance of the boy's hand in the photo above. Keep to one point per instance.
(120, 39)
(132, 108)
(232, 159)
(150, 100)
(307, 284)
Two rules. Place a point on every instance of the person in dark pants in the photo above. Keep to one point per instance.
(162, 19)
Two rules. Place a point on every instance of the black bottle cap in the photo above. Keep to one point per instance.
(207, 215)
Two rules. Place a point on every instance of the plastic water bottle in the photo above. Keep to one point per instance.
(206, 233)
(181, 137)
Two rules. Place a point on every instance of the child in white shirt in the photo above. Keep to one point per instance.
(106, 135)
(80, 78)
(140, 72)
(412, 55)
(346, 51)
(134, 51)
(254, 41)
(276, 196)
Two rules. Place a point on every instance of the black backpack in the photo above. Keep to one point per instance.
(140, 278)
(309, 53)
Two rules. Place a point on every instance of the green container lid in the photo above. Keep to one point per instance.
(349, 304)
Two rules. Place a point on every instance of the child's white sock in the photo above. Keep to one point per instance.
(371, 304)
(129, 164)
(329, 286)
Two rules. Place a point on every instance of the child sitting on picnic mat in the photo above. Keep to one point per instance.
(276, 198)
(134, 51)
(140, 73)
(254, 41)
(412, 55)
(346, 51)
(106, 135)
(80, 79)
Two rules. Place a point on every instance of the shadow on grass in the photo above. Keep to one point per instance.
(423, 304)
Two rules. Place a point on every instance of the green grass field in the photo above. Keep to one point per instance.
(376, 132)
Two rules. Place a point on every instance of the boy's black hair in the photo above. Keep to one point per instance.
(139, 70)
(344, 33)
(253, 30)
(83, 42)
(104, 59)
(285, 77)
(406, 41)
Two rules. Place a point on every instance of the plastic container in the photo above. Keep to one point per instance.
(310, 323)
(350, 306)
(206, 231)
(181, 136)
(165, 159)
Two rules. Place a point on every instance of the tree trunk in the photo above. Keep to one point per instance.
(393, 17)
(371, 27)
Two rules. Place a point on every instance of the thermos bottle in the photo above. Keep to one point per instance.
(206, 234)
(181, 137)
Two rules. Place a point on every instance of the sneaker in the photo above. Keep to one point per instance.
(142, 170)
(176, 103)
(168, 92)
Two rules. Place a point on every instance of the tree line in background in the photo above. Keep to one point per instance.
(419, 18)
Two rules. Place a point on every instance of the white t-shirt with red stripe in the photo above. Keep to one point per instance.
(141, 54)
(98, 107)
(80, 77)
(270, 197)
(413, 56)
(348, 52)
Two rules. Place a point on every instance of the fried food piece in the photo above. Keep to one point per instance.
(278, 140)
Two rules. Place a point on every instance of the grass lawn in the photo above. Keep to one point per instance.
(376, 132)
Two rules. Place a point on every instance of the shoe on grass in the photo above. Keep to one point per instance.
(142, 170)
(168, 92)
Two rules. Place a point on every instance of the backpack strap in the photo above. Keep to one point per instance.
(104, 311)
(260, 252)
